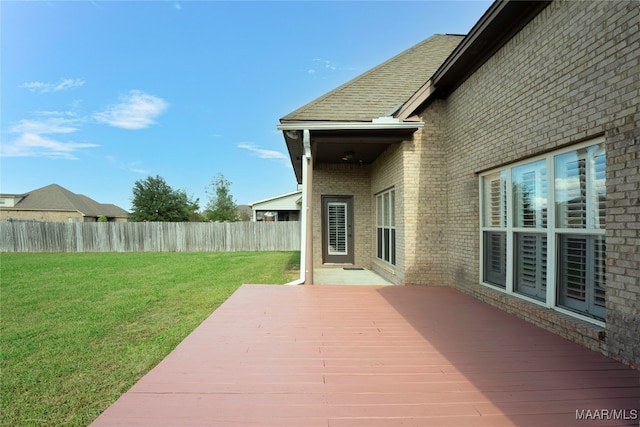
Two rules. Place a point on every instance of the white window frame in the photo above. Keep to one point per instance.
(552, 232)
(386, 221)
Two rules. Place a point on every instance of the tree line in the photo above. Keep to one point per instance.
(155, 200)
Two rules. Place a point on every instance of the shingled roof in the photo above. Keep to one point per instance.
(56, 198)
(381, 89)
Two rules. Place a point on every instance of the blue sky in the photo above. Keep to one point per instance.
(96, 95)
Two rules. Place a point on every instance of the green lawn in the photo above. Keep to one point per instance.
(78, 330)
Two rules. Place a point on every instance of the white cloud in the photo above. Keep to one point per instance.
(43, 87)
(47, 126)
(35, 145)
(31, 141)
(322, 68)
(262, 153)
(137, 110)
(326, 64)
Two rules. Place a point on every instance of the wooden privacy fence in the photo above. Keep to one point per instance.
(148, 236)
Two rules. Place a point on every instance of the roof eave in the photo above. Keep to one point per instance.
(416, 101)
(280, 196)
(376, 124)
(495, 28)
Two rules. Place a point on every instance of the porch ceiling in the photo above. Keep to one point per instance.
(345, 146)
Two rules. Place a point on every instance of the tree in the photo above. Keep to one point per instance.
(221, 206)
(155, 200)
(192, 207)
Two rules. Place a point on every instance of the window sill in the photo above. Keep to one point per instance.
(383, 265)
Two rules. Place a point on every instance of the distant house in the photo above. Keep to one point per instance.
(284, 207)
(54, 203)
(503, 163)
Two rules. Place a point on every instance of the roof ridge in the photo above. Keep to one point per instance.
(68, 195)
(54, 196)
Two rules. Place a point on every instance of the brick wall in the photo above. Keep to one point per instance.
(416, 169)
(425, 184)
(571, 74)
(388, 172)
(345, 180)
(24, 215)
(623, 241)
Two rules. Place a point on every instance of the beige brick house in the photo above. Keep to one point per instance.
(54, 203)
(505, 163)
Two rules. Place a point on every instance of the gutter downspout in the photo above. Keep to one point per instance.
(306, 242)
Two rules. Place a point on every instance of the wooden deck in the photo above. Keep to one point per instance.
(375, 356)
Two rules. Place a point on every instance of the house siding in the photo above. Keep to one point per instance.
(570, 75)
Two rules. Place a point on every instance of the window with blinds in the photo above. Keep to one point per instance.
(495, 200)
(531, 265)
(598, 187)
(495, 223)
(337, 228)
(581, 261)
(530, 188)
(530, 194)
(580, 212)
(495, 258)
(580, 188)
(542, 226)
(386, 226)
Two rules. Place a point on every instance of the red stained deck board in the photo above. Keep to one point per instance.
(373, 356)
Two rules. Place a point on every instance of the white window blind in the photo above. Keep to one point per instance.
(531, 266)
(495, 222)
(386, 226)
(495, 200)
(530, 194)
(581, 273)
(337, 228)
(520, 245)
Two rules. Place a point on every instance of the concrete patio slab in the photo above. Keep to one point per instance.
(347, 276)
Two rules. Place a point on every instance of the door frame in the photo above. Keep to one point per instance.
(327, 258)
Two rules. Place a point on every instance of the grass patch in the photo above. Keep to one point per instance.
(78, 330)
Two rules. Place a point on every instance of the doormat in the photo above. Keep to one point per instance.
(352, 268)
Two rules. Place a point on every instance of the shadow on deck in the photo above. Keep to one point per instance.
(375, 356)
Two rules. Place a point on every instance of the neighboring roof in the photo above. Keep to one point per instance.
(56, 198)
(112, 210)
(383, 89)
(288, 200)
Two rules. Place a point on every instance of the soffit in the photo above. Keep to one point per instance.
(360, 147)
